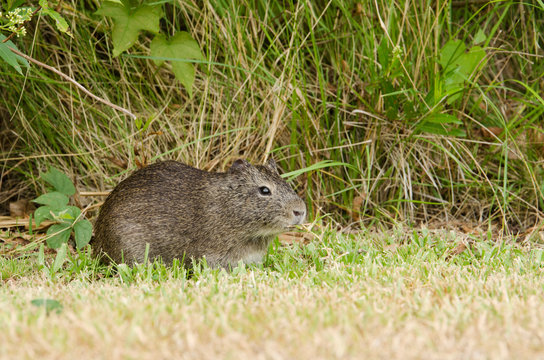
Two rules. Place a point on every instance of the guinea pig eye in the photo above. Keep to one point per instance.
(263, 190)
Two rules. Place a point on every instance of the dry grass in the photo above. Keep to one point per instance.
(342, 297)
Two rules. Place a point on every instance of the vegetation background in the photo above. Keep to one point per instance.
(435, 105)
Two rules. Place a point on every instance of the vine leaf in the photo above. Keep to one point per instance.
(128, 22)
(55, 200)
(83, 232)
(60, 181)
(60, 23)
(59, 234)
(178, 49)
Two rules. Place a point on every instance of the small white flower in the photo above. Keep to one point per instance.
(397, 51)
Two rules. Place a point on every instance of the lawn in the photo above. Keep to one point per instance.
(379, 113)
(399, 294)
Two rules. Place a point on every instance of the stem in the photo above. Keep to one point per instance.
(68, 78)
(21, 26)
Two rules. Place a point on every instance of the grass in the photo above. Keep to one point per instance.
(307, 82)
(400, 294)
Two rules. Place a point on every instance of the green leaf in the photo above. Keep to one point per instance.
(437, 124)
(83, 232)
(54, 199)
(11, 58)
(42, 213)
(60, 258)
(430, 128)
(41, 256)
(63, 230)
(60, 23)
(127, 23)
(178, 48)
(12, 4)
(449, 54)
(70, 213)
(59, 181)
(458, 66)
(470, 61)
(48, 304)
(479, 37)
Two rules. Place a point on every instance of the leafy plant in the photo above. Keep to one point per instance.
(50, 305)
(52, 270)
(14, 19)
(458, 67)
(129, 20)
(55, 207)
(8, 56)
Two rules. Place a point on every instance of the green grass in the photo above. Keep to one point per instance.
(401, 294)
(286, 78)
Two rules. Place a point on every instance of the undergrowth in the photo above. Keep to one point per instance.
(383, 86)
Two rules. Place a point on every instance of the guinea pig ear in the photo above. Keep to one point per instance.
(239, 165)
(271, 164)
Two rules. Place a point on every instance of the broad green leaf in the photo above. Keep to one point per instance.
(11, 58)
(467, 64)
(471, 60)
(42, 213)
(60, 258)
(48, 304)
(54, 199)
(60, 23)
(431, 128)
(128, 22)
(458, 66)
(83, 232)
(63, 230)
(479, 37)
(178, 49)
(59, 181)
(449, 54)
(70, 213)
